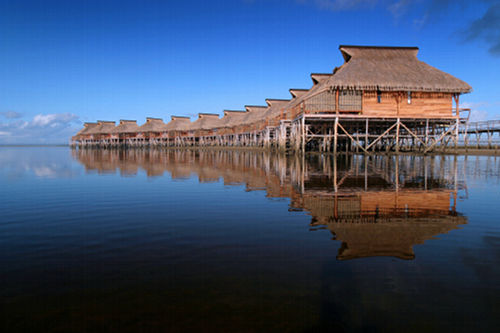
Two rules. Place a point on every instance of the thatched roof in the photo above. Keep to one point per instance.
(254, 114)
(322, 81)
(297, 92)
(232, 118)
(391, 69)
(86, 128)
(178, 123)
(205, 121)
(126, 126)
(275, 101)
(152, 125)
(103, 127)
(275, 107)
(319, 77)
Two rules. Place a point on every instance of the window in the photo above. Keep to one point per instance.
(409, 97)
(323, 102)
(379, 96)
(350, 100)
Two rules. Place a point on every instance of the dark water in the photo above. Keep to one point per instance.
(138, 241)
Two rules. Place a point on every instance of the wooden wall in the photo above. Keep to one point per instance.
(423, 104)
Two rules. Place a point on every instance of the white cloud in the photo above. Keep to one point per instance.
(11, 115)
(399, 8)
(43, 128)
(478, 112)
(474, 105)
(52, 120)
(478, 115)
(340, 5)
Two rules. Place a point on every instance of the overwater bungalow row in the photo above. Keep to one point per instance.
(380, 98)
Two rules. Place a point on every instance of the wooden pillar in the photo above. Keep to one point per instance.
(456, 97)
(303, 134)
(426, 133)
(397, 135)
(335, 135)
(366, 135)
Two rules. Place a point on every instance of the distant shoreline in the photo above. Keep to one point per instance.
(35, 145)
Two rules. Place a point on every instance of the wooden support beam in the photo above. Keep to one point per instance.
(335, 135)
(381, 136)
(398, 123)
(352, 139)
(413, 134)
(303, 134)
(366, 135)
(440, 138)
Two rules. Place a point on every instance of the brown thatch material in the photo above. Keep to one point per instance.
(206, 121)
(319, 77)
(232, 118)
(254, 114)
(296, 93)
(322, 81)
(276, 106)
(152, 125)
(86, 128)
(178, 123)
(126, 126)
(391, 69)
(103, 127)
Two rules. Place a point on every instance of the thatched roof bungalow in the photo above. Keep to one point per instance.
(231, 119)
(102, 130)
(374, 82)
(206, 123)
(391, 82)
(275, 111)
(254, 115)
(152, 128)
(178, 126)
(177, 123)
(83, 133)
(125, 129)
(314, 100)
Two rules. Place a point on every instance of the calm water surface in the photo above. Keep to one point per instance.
(139, 241)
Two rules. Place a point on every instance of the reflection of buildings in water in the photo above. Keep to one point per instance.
(377, 206)
(383, 223)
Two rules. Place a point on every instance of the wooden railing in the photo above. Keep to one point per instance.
(483, 126)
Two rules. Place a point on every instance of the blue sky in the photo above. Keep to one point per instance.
(66, 62)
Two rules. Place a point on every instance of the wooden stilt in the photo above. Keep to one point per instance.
(335, 135)
(397, 135)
